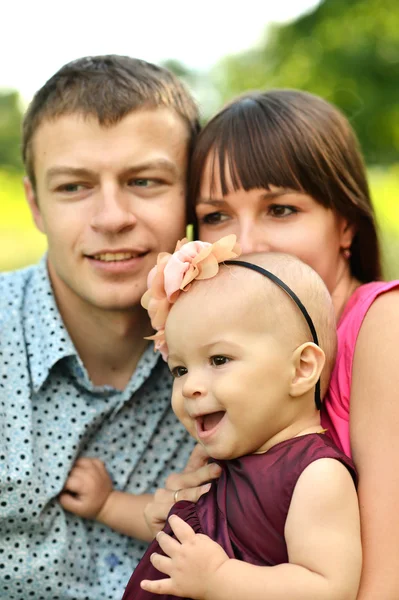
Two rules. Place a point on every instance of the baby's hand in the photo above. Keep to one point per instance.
(87, 488)
(191, 561)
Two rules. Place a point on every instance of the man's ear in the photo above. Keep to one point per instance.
(308, 361)
(33, 205)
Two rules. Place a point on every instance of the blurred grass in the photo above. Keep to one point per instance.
(21, 244)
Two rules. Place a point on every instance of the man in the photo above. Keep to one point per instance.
(105, 144)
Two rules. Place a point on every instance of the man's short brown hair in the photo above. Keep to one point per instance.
(107, 87)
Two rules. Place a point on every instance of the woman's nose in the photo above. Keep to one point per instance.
(252, 239)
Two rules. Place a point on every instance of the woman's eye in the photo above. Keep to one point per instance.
(218, 361)
(178, 372)
(281, 210)
(213, 218)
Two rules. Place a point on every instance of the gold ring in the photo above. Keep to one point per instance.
(175, 496)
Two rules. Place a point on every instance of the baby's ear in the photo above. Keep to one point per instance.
(308, 361)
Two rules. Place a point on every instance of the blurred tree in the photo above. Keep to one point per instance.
(200, 85)
(10, 130)
(345, 51)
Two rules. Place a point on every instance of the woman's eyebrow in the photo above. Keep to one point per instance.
(211, 201)
(264, 195)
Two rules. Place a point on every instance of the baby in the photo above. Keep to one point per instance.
(246, 346)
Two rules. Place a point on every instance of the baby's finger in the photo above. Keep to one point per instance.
(69, 502)
(159, 586)
(99, 465)
(162, 563)
(167, 543)
(74, 483)
(84, 462)
(181, 529)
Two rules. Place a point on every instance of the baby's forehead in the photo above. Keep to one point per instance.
(238, 292)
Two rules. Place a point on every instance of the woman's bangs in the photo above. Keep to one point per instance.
(248, 154)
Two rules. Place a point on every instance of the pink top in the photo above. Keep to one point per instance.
(335, 410)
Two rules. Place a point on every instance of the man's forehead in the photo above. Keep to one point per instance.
(76, 142)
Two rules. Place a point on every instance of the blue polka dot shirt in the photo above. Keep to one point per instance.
(51, 414)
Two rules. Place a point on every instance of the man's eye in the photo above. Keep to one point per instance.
(71, 188)
(213, 218)
(143, 182)
(178, 372)
(282, 210)
(218, 361)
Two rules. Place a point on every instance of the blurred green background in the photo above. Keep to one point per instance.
(344, 50)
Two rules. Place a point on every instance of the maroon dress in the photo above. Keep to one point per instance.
(246, 508)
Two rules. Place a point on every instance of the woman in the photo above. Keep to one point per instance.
(283, 171)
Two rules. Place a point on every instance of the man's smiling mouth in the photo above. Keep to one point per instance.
(118, 256)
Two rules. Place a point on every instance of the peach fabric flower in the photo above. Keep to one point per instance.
(175, 272)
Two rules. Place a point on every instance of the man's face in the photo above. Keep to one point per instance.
(109, 200)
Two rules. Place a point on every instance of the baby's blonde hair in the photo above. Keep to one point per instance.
(310, 289)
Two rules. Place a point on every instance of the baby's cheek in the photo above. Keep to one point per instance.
(180, 412)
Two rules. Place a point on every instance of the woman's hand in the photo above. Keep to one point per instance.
(188, 485)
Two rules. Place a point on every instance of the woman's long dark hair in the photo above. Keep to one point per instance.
(293, 139)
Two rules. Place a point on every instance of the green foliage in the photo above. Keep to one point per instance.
(20, 243)
(346, 51)
(10, 130)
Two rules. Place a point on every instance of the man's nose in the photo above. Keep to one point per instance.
(113, 211)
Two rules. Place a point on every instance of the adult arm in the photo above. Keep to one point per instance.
(374, 433)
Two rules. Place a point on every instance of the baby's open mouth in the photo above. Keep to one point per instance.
(210, 421)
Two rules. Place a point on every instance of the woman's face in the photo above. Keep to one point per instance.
(276, 220)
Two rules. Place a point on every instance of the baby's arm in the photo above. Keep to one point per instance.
(89, 493)
(323, 540)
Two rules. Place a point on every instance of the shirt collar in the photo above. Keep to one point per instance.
(52, 342)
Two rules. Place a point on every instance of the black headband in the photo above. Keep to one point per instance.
(291, 294)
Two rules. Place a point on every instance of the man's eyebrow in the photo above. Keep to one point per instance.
(162, 164)
(74, 171)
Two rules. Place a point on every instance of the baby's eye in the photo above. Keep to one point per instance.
(218, 360)
(178, 371)
(282, 210)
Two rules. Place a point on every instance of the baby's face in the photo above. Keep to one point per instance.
(232, 371)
